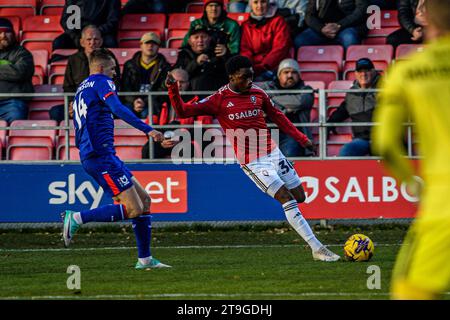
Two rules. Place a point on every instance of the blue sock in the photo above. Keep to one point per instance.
(142, 227)
(108, 213)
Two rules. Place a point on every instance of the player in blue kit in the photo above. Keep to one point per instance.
(95, 103)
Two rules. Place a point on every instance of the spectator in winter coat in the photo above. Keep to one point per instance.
(265, 39)
(359, 107)
(225, 32)
(334, 22)
(204, 64)
(296, 106)
(146, 71)
(77, 68)
(104, 14)
(16, 73)
(411, 15)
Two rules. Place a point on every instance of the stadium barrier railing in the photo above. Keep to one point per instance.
(321, 124)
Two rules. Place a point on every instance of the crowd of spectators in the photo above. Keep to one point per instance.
(270, 38)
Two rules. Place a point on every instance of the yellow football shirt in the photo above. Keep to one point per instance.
(419, 89)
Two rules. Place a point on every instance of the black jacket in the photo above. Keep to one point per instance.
(132, 77)
(104, 14)
(78, 69)
(207, 77)
(406, 14)
(359, 107)
(354, 12)
(16, 71)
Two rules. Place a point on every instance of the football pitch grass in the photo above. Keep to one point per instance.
(247, 263)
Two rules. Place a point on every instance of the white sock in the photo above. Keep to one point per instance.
(77, 217)
(145, 261)
(296, 220)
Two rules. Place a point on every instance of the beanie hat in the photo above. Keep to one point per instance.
(206, 2)
(288, 63)
(5, 25)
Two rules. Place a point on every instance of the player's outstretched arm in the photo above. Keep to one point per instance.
(286, 125)
(126, 115)
(185, 110)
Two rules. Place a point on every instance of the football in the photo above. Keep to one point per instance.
(358, 247)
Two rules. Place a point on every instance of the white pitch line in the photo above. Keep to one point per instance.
(204, 295)
(179, 247)
(198, 295)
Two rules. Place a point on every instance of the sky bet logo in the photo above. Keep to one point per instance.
(167, 189)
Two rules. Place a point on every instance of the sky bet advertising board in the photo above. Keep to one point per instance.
(341, 189)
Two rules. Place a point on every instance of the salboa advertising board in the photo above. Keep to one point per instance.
(338, 189)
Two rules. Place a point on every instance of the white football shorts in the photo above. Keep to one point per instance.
(271, 172)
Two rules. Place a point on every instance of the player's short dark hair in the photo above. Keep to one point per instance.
(235, 63)
(100, 55)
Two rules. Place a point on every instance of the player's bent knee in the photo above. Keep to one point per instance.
(283, 195)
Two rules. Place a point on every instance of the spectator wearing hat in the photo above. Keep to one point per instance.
(146, 71)
(411, 16)
(104, 14)
(296, 106)
(265, 39)
(225, 32)
(205, 66)
(359, 107)
(334, 22)
(77, 68)
(16, 73)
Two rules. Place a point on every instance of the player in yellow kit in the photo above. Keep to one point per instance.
(420, 88)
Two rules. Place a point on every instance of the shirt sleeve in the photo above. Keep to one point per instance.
(208, 106)
(106, 91)
(387, 137)
(282, 121)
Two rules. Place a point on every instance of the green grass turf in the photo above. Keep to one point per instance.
(247, 263)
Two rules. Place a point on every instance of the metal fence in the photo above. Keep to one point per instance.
(322, 125)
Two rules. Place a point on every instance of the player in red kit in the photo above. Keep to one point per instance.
(240, 107)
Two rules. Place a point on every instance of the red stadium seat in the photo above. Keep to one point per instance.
(333, 150)
(324, 76)
(38, 107)
(182, 20)
(375, 53)
(143, 22)
(195, 6)
(170, 54)
(317, 85)
(57, 69)
(378, 36)
(21, 8)
(124, 54)
(61, 143)
(404, 50)
(52, 7)
(133, 26)
(128, 135)
(240, 17)
(40, 31)
(349, 70)
(129, 152)
(31, 144)
(175, 38)
(3, 123)
(389, 18)
(328, 54)
(40, 58)
(334, 99)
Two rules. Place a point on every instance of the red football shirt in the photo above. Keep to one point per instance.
(241, 116)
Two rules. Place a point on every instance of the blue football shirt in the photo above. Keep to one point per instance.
(94, 105)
